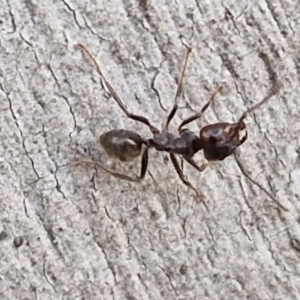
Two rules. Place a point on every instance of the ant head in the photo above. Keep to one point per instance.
(218, 134)
(221, 139)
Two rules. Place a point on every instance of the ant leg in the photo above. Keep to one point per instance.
(115, 96)
(178, 92)
(199, 114)
(144, 166)
(181, 175)
(200, 168)
(244, 172)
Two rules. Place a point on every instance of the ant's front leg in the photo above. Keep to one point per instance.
(200, 168)
(245, 173)
(199, 114)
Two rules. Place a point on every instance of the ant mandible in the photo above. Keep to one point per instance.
(217, 140)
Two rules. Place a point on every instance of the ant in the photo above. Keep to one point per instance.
(217, 141)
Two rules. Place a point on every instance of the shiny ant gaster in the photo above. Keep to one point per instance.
(217, 140)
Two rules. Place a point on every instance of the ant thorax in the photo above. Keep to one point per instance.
(186, 144)
(162, 141)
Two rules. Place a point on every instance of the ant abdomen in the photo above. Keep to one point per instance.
(122, 144)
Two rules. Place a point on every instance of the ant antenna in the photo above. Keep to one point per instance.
(272, 92)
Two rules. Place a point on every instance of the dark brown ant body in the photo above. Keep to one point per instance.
(216, 140)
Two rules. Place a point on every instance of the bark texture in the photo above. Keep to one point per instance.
(76, 232)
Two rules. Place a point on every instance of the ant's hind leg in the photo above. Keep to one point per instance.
(144, 166)
(115, 95)
(181, 176)
(199, 114)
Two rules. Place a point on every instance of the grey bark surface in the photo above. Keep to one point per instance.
(87, 235)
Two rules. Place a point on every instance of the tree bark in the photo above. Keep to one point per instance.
(76, 232)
